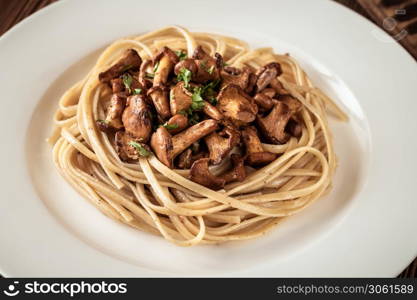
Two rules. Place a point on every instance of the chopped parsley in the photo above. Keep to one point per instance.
(137, 91)
(127, 81)
(104, 122)
(141, 150)
(211, 70)
(184, 75)
(149, 75)
(181, 55)
(208, 91)
(170, 126)
(198, 102)
(155, 68)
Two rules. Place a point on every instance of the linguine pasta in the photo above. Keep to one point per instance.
(151, 197)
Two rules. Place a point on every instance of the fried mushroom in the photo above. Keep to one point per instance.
(128, 147)
(255, 154)
(159, 96)
(201, 174)
(164, 63)
(266, 74)
(180, 98)
(137, 118)
(221, 143)
(238, 172)
(129, 60)
(236, 105)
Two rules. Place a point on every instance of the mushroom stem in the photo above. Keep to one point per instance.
(159, 96)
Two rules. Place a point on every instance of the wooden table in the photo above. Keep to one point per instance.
(14, 11)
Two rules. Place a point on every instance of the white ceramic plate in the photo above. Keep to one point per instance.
(365, 227)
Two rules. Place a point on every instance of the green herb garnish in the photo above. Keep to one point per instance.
(198, 102)
(137, 91)
(149, 75)
(105, 122)
(170, 126)
(156, 67)
(211, 70)
(181, 55)
(139, 149)
(127, 81)
(183, 112)
(184, 75)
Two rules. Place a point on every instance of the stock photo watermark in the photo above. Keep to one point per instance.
(390, 25)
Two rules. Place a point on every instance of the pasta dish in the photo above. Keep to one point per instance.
(195, 137)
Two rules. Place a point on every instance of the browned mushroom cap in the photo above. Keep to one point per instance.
(255, 154)
(137, 118)
(125, 150)
(188, 64)
(212, 111)
(159, 96)
(192, 134)
(273, 125)
(176, 123)
(207, 69)
(293, 104)
(145, 68)
(235, 104)
(263, 101)
(117, 85)
(164, 63)
(180, 98)
(161, 144)
(231, 75)
(238, 172)
(129, 60)
(266, 74)
(251, 83)
(220, 144)
(201, 174)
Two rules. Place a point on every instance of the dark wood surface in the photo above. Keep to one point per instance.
(14, 11)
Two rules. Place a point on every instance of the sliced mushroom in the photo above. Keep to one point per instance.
(165, 62)
(273, 125)
(137, 118)
(231, 75)
(159, 96)
(212, 111)
(178, 143)
(238, 172)
(221, 143)
(180, 98)
(177, 123)
(192, 134)
(201, 174)
(124, 148)
(161, 144)
(235, 104)
(255, 154)
(207, 69)
(263, 101)
(129, 60)
(267, 74)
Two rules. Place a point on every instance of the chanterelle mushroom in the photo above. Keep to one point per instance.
(268, 73)
(236, 105)
(207, 69)
(180, 98)
(114, 114)
(221, 143)
(187, 64)
(129, 60)
(176, 123)
(128, 148)
(238, 172)
(200, 173)
(263, 101)
(178, 143)
(164, 63)
(273, 125)
(159, 96)
(255, 154)
(137, 118)
(231, 75)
